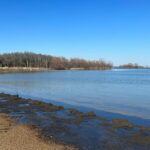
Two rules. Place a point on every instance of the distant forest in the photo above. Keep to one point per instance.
(29, 59)
(130, 66)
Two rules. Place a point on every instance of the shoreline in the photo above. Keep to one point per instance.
(21, 69)
(68, 125)
(35, 69)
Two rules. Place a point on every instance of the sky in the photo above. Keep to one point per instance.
(113, 30)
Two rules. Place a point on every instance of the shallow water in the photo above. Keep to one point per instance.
(118, 91)
(70, 126)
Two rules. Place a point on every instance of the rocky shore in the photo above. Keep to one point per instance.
(69, 126)
(14, 136)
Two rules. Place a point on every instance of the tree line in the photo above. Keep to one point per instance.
(29, 59)
(131, 66)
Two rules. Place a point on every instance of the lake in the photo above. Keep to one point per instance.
(121, 91)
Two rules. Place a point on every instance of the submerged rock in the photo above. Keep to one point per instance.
(140, 138)
(46, 106)
(90, 114)
(121, 123)
(81, 116)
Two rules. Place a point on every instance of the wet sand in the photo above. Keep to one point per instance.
(20, 137)
(69, 126)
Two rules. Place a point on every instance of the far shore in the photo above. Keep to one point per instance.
(21, 69)
(35, 69)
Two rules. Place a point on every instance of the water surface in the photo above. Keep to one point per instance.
(118, 91)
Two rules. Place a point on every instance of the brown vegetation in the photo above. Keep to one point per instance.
(32, 60)
(130, 66)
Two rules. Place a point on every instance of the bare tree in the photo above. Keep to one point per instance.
(29, 59)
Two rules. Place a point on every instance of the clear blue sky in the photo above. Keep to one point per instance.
(115, 30)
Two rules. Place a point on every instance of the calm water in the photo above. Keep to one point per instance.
(118, 91)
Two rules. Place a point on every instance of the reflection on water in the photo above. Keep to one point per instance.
(119, 91)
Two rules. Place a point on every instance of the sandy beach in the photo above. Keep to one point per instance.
(20, 137)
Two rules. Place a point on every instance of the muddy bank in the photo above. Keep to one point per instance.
(84, 130)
